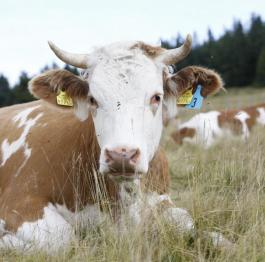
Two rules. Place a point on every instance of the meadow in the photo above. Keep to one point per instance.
(223, 189)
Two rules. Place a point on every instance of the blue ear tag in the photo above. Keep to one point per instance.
(197, 99)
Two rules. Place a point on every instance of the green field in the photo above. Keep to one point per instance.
(223, 188)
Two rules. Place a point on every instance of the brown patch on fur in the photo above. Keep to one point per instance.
(165, 116)
(179, 135)
(47, 85)
(190, 77)
(30, 209)
(227, 119)
(254, 114)
(157, 178)
(150, 51)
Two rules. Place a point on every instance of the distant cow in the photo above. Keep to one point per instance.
(49, 158)
(207, 128)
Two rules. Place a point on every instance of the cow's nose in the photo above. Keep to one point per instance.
(122, 160)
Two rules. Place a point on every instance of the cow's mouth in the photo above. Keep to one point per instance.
(118, 177)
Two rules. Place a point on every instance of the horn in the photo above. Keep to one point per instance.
(77, 60)
(173, 56)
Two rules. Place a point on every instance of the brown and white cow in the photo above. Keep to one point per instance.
(205, 129)
(49, 157)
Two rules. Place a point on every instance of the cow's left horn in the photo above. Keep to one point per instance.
(77, 60)
(175, 55)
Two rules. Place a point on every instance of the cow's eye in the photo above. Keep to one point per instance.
(92, 101)
(156, 99)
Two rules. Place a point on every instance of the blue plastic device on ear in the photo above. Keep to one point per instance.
(197, 99)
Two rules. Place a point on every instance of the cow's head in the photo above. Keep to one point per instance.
(124, 87)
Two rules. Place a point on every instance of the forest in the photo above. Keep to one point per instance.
(238, 55)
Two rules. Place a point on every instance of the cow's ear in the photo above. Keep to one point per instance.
(189, 77)
(48, 86)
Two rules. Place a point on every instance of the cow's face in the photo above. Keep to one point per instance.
(126, 96)
(124, 87)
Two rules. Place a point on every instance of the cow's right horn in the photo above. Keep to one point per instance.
(77, 60)
(173, 56)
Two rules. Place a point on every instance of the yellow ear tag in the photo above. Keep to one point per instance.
(63, 99)
(186, 98)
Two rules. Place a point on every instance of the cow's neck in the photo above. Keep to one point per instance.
(129, 191)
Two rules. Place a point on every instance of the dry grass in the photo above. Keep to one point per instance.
(223, 188)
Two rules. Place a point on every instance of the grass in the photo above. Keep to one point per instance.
(223, 188)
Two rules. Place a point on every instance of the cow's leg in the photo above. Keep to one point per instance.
(172, 215)
(182, 220)
(49, 233)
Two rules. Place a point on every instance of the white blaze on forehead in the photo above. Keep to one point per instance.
(8, 149)
(127, 77)
(117, 50)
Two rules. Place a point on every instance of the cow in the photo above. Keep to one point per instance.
(205, 129)
(55, 158)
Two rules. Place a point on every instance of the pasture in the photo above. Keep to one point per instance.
(223, 189)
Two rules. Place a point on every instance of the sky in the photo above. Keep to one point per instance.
(81, 25)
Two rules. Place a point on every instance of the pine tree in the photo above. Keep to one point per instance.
(210, 35)
(5, 92)
(260, 71)
(256, 41)
(20, 90)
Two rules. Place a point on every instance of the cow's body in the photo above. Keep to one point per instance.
(48, 168)
(55, 168)
(207, 128)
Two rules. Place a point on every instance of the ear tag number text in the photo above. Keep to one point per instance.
(197, 99)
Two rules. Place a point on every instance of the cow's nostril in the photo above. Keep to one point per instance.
(122, 159)
(108, 156)
(135, 156)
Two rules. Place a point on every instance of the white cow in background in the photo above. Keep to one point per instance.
(205, 129)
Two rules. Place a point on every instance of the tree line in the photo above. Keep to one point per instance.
(238, 54)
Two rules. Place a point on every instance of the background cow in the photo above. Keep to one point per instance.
(207, 128)
(49, 158)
